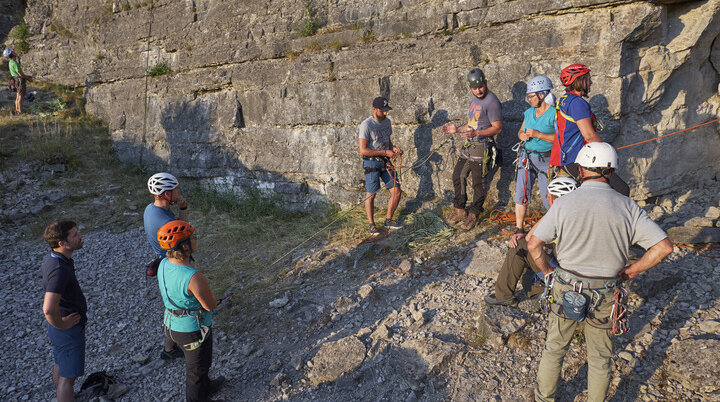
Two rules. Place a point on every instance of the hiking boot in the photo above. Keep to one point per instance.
(374, 231)
(491, 300)
(171, 355)
(391, 224)
(470, 222)
(457, 216)
(216, 384)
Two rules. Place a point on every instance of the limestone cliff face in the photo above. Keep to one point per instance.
(250, 103)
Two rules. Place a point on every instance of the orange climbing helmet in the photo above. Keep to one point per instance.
(173, 234)
(570, 73)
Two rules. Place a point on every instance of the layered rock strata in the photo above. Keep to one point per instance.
(250, 103)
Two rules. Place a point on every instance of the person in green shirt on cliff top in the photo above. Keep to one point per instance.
(20, 78)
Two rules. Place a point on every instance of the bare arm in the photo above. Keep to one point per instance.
(522, 135)
(200, 288)
(652, 257)
(494, 129)
(587, 130)
(366, 151)
(51, 309)
(535, 247)
(543, 136)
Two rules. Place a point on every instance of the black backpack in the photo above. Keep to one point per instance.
(97, 383)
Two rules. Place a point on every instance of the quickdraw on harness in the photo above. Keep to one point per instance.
(618, 314)
(523, 157)
(546, 299)
(560, 121)
(181, 312)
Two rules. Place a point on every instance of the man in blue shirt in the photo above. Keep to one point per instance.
(164, 187)
(64, 307)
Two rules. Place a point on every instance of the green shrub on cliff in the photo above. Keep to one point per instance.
(308, 25)
(159, 69)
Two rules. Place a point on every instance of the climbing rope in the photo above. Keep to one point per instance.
(504, 219)
(698, 248)
(668, 135)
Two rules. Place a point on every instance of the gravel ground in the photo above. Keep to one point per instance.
(342, 325)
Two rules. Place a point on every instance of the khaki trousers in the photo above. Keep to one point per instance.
(599, 348)
(516, 261)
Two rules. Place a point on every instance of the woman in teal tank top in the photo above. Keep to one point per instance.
(188, 307)
(536, 136)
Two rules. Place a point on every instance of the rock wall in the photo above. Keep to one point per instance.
(251, 103)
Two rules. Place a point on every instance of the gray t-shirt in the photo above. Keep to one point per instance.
(377, 133)
(595, 227)
(482, 112)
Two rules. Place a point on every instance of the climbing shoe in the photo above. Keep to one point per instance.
(491, 300)
(457, 216)
(391, 224)
(171, 355)
(470, 222)
(374, 231)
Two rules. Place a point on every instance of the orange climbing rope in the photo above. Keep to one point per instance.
(698, 248)
(505, 219)
(668, 135)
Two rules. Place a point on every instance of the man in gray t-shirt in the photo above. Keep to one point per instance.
(595, 227)
(484, 123)
(377, 150)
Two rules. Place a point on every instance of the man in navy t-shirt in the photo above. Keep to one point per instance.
(64, 307)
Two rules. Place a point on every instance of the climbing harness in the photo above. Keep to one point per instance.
(181, 312)
(523, 157)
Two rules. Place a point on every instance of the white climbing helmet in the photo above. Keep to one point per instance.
(597, 155)
(561, 186)
(7, 52)
(539, 84)
(161, 182)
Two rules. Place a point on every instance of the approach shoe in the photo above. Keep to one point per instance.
(470, 222)
(374, 231)
(458, 216)
(491, 300)
(171, 355)
(392, 224)
(216, 384)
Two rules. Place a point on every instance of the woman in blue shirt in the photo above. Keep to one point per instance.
(188, 305)
(536, 133)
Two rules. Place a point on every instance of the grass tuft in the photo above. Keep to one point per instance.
(309, 25)
(159, 69)
(367, 37)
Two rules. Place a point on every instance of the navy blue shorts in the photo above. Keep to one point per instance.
(372, 179)
(68, 349)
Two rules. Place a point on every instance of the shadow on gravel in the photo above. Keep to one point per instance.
(423, 141)
(327, 307)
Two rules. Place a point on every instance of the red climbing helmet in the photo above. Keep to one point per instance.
(570, 73)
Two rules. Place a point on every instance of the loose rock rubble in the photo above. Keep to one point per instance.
(341, 325)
